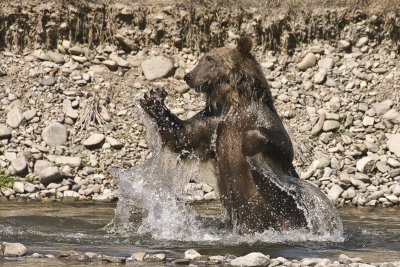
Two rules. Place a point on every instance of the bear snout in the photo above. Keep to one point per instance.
(188, 78)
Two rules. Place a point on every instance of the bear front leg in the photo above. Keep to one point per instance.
(273, 144)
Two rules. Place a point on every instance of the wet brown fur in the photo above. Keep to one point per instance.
(241, 114)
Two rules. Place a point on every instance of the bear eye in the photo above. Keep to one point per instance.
(209, 59)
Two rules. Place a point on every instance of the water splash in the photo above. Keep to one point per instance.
(154, 189)
(148, 192)
(322, 217)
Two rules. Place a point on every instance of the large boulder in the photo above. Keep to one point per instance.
(157, 67)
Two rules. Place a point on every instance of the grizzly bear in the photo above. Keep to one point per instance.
(240, 132)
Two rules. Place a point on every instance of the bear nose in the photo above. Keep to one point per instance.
(188, 77)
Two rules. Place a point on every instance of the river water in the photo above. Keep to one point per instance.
(48, 228)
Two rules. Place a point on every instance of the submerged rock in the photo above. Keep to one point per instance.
(191, 254)
(12, 249)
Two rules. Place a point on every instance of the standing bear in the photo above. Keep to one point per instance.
(240, 132)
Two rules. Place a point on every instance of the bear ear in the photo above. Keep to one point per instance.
(245, 44)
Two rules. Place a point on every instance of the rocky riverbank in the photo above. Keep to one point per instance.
(68, 109)
(189, 257)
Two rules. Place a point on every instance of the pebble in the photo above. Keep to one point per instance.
(110, 64)
(18, 187)
(343, 44)
(75, 50)
(330, 125)
(19, 165)
(114, 142)
(30, 114)
(70, 161)
(5, 133)
(210, 196)
(334, 193)
(155, 258)
(308, 61)
(94, 140)
(48, 80)
(49, 175)
(14, 118)
(69, 194)
(40, 165)
(362, 41)
(392, 115)
(326, 63)
(320, 76)
(393, 163)
(56, 57)
(381, 108)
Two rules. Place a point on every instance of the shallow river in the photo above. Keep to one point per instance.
(370, 233)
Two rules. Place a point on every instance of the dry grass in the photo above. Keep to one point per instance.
(383, 5)
(90, 115)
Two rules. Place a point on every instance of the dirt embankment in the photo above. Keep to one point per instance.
(134, 26)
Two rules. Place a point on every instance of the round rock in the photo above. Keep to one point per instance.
(12, 249)
(71, 161)
(18, 187)
(191, 254)
(40, 165)
(29, 114)
(49, 175)
(335, 192)
(326, 63)
(55, 134)
(251, 259)
(114, 142)
(330, 125)
(94, 140)
(19, 164)
(49, 81)
(157, 67)
(14, 117)
(56, 57)
(308, 61)
(343, 44)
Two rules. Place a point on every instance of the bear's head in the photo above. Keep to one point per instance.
(231, 74)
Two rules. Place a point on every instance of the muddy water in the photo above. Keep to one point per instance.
(48, 228)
